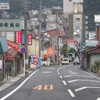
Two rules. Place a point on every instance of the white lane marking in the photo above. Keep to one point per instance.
(98, 99)
(82, 88)
(79, 76)
(83, 81)
(71, 93)
(72, 81)
(58, 73)
(62, 67)
(79, 89)
(68, 76)
(13, 80)
(50, 68)
(6, 84)
(60, 76)
(69, 71)
(88, 74)
(9, 94)
(64, 82)
(46, 72)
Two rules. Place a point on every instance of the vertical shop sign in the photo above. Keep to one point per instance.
(29, 39)
(17, 36)
(22, 39)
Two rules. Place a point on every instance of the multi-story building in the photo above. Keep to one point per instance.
(73, 13)
(51, 22)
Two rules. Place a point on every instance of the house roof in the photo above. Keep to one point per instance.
(53, 33)
(61, 32)
(71, 41)
(13, 51)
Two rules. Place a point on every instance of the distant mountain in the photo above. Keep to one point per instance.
(91, 7)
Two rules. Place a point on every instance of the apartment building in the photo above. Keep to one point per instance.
(73, 13)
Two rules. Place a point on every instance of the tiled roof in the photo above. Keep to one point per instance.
(53, 33)
(71, 41)
(61, 32)
(13, 51)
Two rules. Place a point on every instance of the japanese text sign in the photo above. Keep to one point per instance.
(10, 24)
(29, 39)
(17, 37)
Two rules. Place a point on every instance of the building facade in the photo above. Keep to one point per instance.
(73, 13)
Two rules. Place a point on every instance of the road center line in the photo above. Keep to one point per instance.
(64, 82)
(9, 94)
(71, 93)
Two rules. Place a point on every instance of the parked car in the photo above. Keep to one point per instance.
(76, 61)
(43, 62)
(65, 61)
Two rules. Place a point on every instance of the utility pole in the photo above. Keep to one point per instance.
(40, 21)
(81, 46)
(26, 37)
(57, 36)
(66, 36)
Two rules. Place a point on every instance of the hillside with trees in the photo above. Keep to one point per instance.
(91, 7)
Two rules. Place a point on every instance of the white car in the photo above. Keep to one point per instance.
(65, 61)
(43, 62)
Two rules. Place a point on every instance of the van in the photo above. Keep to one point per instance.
(65, 61)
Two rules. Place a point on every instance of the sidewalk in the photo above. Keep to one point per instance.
(11, 81)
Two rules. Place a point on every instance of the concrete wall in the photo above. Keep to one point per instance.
(67, 6)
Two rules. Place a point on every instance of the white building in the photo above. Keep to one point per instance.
(73, 12)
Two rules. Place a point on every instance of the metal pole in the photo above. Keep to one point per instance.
(35, 46)
(24, 63)
(57, 36)
(26, 41)
(40, 20)
(43, 45)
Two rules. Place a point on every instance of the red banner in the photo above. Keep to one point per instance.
(17, 36)
(29, 39)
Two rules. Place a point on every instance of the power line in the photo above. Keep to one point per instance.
(18, 7)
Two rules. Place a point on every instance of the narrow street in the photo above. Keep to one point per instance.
(56, 83)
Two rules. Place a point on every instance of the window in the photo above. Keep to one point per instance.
(77, 19)
(77, 27)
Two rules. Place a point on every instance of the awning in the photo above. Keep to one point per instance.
(49, 53)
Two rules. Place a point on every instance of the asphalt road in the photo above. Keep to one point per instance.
(56, 83)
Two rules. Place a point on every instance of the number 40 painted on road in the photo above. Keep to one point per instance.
(46, 87)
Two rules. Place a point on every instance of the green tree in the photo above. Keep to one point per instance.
(72, 50)
(63, 50)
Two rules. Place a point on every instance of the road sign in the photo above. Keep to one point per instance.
(23, 50)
